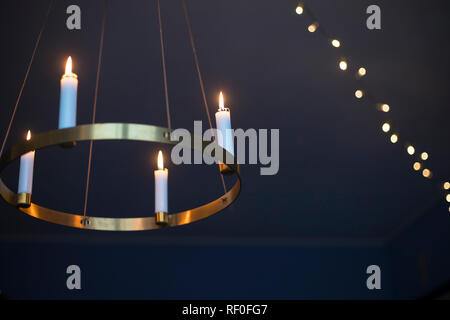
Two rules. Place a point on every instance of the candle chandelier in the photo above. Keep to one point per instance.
(69, 133)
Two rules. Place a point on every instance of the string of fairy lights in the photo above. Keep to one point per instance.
(420, 158)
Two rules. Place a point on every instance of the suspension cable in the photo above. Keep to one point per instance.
(197, 66)
(97, 80)
(36, 45)
(163, 62)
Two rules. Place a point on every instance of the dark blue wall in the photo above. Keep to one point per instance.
(420, 255)
(190, 271)
(414, 263)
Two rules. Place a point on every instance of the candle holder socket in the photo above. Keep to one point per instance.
(162, 218)
(67, 145)
(225, 169)
(23, 200)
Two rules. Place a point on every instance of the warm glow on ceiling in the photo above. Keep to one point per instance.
(343, 65)
(362, 72)
(359, 94)
(394, 138)
(335, 43)
(313, 27)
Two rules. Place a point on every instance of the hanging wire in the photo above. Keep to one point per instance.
(313, 17)
(367, 94)
(197, 66)
(97, 80)
(163, 62)
(36, 45)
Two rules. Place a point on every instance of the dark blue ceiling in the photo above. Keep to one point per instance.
(339, 177)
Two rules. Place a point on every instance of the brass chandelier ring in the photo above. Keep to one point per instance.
(114, 131)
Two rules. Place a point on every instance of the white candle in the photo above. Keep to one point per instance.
(26, 170)
(68, 98)
(161, 182)
(223, 125)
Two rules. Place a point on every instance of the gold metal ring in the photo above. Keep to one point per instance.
(113, 131)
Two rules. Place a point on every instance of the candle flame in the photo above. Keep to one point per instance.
(221, 103)
(160, 161)
(69, 66)
(28, 135)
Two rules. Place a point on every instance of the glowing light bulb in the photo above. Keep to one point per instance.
(394, 138)
(299, 9)
(28, 135)
(69, 66)
(160, 161)
(359, 94)
(426, 173)
(313, 27)
(410, 150)
(417, 166)
(386, 127)
(362, 71)
(447, 197)
(424, 156)
(446, 185)
(385, 108)
(335, 43)
(343, 65)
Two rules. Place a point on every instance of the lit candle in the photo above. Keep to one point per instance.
(223, 125)
(26, 177)
(161, 194)
(68, 98)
